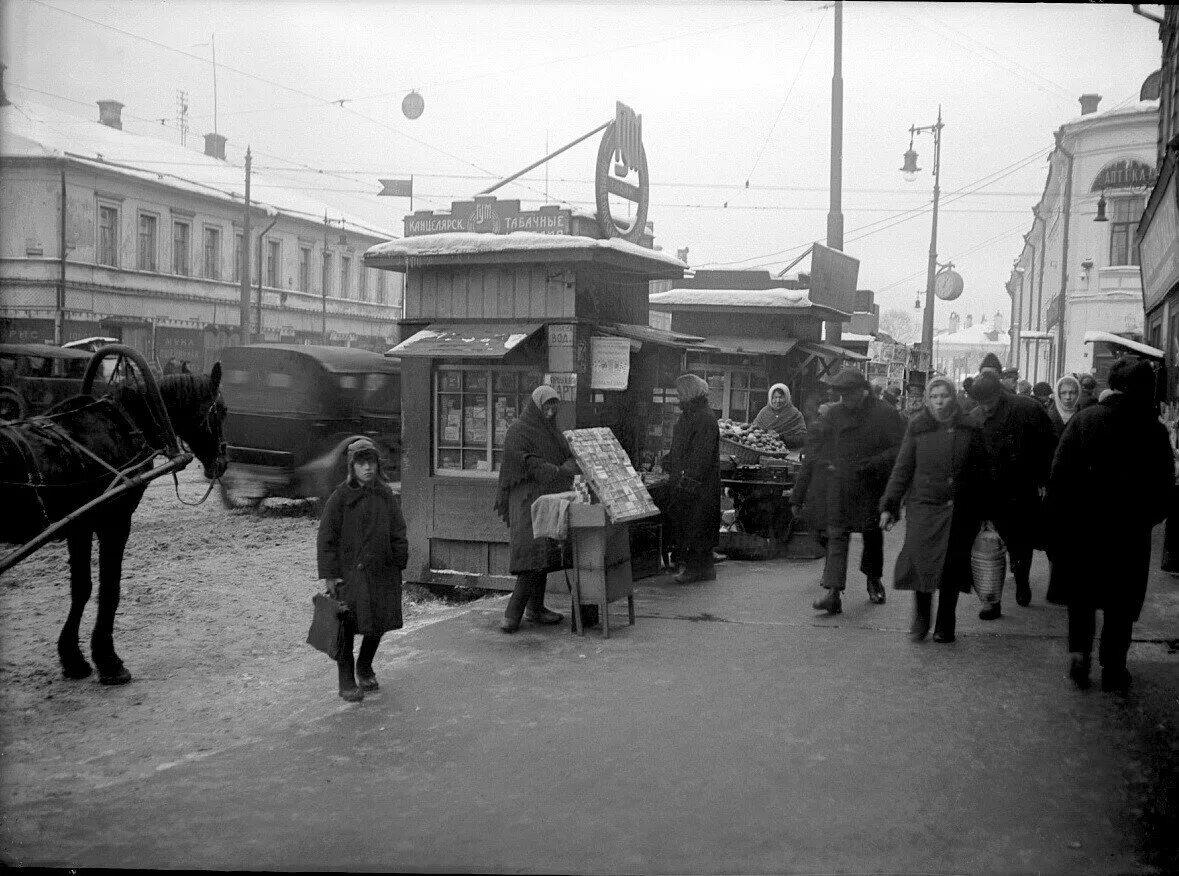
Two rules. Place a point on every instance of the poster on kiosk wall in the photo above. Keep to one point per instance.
(610, 358)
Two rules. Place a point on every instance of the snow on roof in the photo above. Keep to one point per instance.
(35, 131)
(980, 335)
(473, 242)
(776, 297)
(1141, 106)
(1094, 337)
(854, 336)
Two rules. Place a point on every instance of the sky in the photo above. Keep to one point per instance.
(734, 97)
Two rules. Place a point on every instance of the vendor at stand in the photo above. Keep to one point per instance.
(782, 418)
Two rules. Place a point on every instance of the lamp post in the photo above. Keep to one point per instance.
(910, 171)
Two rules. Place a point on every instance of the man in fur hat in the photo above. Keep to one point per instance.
(857, 441)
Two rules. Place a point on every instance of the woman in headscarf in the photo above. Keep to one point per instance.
(941, 467)
(1065, 403)
(693, 462)
(781, 417)
(537, 461)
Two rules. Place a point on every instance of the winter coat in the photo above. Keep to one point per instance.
(1019, 443)
(362, 543)
(693, 463)
(1113, 467)
(534, 451)
(1057, 421)
(857, 449)
(941, 468)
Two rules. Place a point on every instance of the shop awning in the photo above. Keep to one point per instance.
(468, 341)
(753, 346)
(829, 352)
(1125, 343)
(649, 335)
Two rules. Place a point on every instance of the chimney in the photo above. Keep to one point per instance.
(1089, 103)
(215, 146)
(110, 113)
(3, 96)
(998, 323)
(969, 320)
(954, 321)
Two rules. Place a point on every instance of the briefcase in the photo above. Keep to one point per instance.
(328, 620)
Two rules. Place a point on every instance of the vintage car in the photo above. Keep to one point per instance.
(35, 377)
(294, 409)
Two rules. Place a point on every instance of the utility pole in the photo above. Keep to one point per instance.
(245, 265)
(323, 288)
(258, 302)
(59, 317)
(927, 321)
(834, 330)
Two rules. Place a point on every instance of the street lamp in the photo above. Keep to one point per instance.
(910, 170)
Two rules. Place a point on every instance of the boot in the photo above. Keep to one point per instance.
(991, 612)
(348, 688)
(1078, 669)
(1023, 591)
(876, 594)
(829, 603)
(1115, 679)
(509, 625)
(366, 679)
(922, 605)
(543, 616)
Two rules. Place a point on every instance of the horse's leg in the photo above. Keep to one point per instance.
(73, 663)
(112, 539)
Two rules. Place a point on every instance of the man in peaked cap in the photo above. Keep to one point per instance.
(857, 443)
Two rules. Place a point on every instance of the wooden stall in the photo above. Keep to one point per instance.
(488, 317)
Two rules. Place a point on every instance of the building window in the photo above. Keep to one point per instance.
(362, 281)
(736, 389)
(327, 273)
(148, 243)
(381, 287)
(345, 276)
(473, 409)
(273, 263)
(304, 269)
(1123, 223)
(108, 236)
(212, 253)
(181, 248)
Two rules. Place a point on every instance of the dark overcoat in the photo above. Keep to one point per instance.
(362, 542)
(693, 464)
(857, 448)
(1112, 475)
(940, 469)
(1056, 420)
(1019, 443)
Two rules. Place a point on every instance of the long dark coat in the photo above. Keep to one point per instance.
(362, 542)
(534, 451)
(941, 468)
(1112, 476)
(857, 449)
(693, 463)
(1019, 441)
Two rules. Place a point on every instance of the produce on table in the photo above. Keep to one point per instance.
(748, 435)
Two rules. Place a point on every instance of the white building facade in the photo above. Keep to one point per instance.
(110, 233)
(1078, 269)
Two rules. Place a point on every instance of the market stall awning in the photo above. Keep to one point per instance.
(650, 335)
(469, 341)
(753, 346)
(829, 352)
(1125, 343)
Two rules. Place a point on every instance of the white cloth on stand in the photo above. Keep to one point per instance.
(550, 515)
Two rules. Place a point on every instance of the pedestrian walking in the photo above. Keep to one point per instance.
(782, 418)
(857, 445)
(1064, 403)
(1042, 392)
(693, 463)
(941, 469)
(1019, 443)
(1024, 388)
(1117, 452)
(361, 553)
(537, 461)
(1088, 391)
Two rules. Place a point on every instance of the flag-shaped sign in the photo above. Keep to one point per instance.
(400, 188)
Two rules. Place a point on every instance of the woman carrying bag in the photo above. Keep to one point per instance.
(940, 467)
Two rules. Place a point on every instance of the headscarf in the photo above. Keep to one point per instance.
(787, 421)
(947, 413)
(691, 386)
(1066, 414)
(532, 434)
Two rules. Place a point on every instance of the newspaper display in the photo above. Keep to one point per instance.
(610, 475)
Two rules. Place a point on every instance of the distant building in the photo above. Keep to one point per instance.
(959, 350)
(1078, 269)
(153, 245)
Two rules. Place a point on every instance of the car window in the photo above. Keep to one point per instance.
(279, 380)
(74, 368)
(349, 381)
(236, 376)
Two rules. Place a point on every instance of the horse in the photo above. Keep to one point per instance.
(73, 450)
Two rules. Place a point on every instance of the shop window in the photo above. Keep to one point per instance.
(1124, 215)
(108, 235)
(737, 388)
(148, 242)
(212, 253)
(181, 248)
(473, 409)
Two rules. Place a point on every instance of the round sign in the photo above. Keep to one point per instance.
(609, 179)
(947, 285)
(412, 105)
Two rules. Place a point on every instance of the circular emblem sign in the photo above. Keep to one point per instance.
(622, 172)
(947, 285)
(412, 105)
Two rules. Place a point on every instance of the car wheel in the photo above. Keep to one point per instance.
(12, 406)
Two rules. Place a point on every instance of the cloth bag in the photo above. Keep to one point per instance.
(988, 564)
(327, 625)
